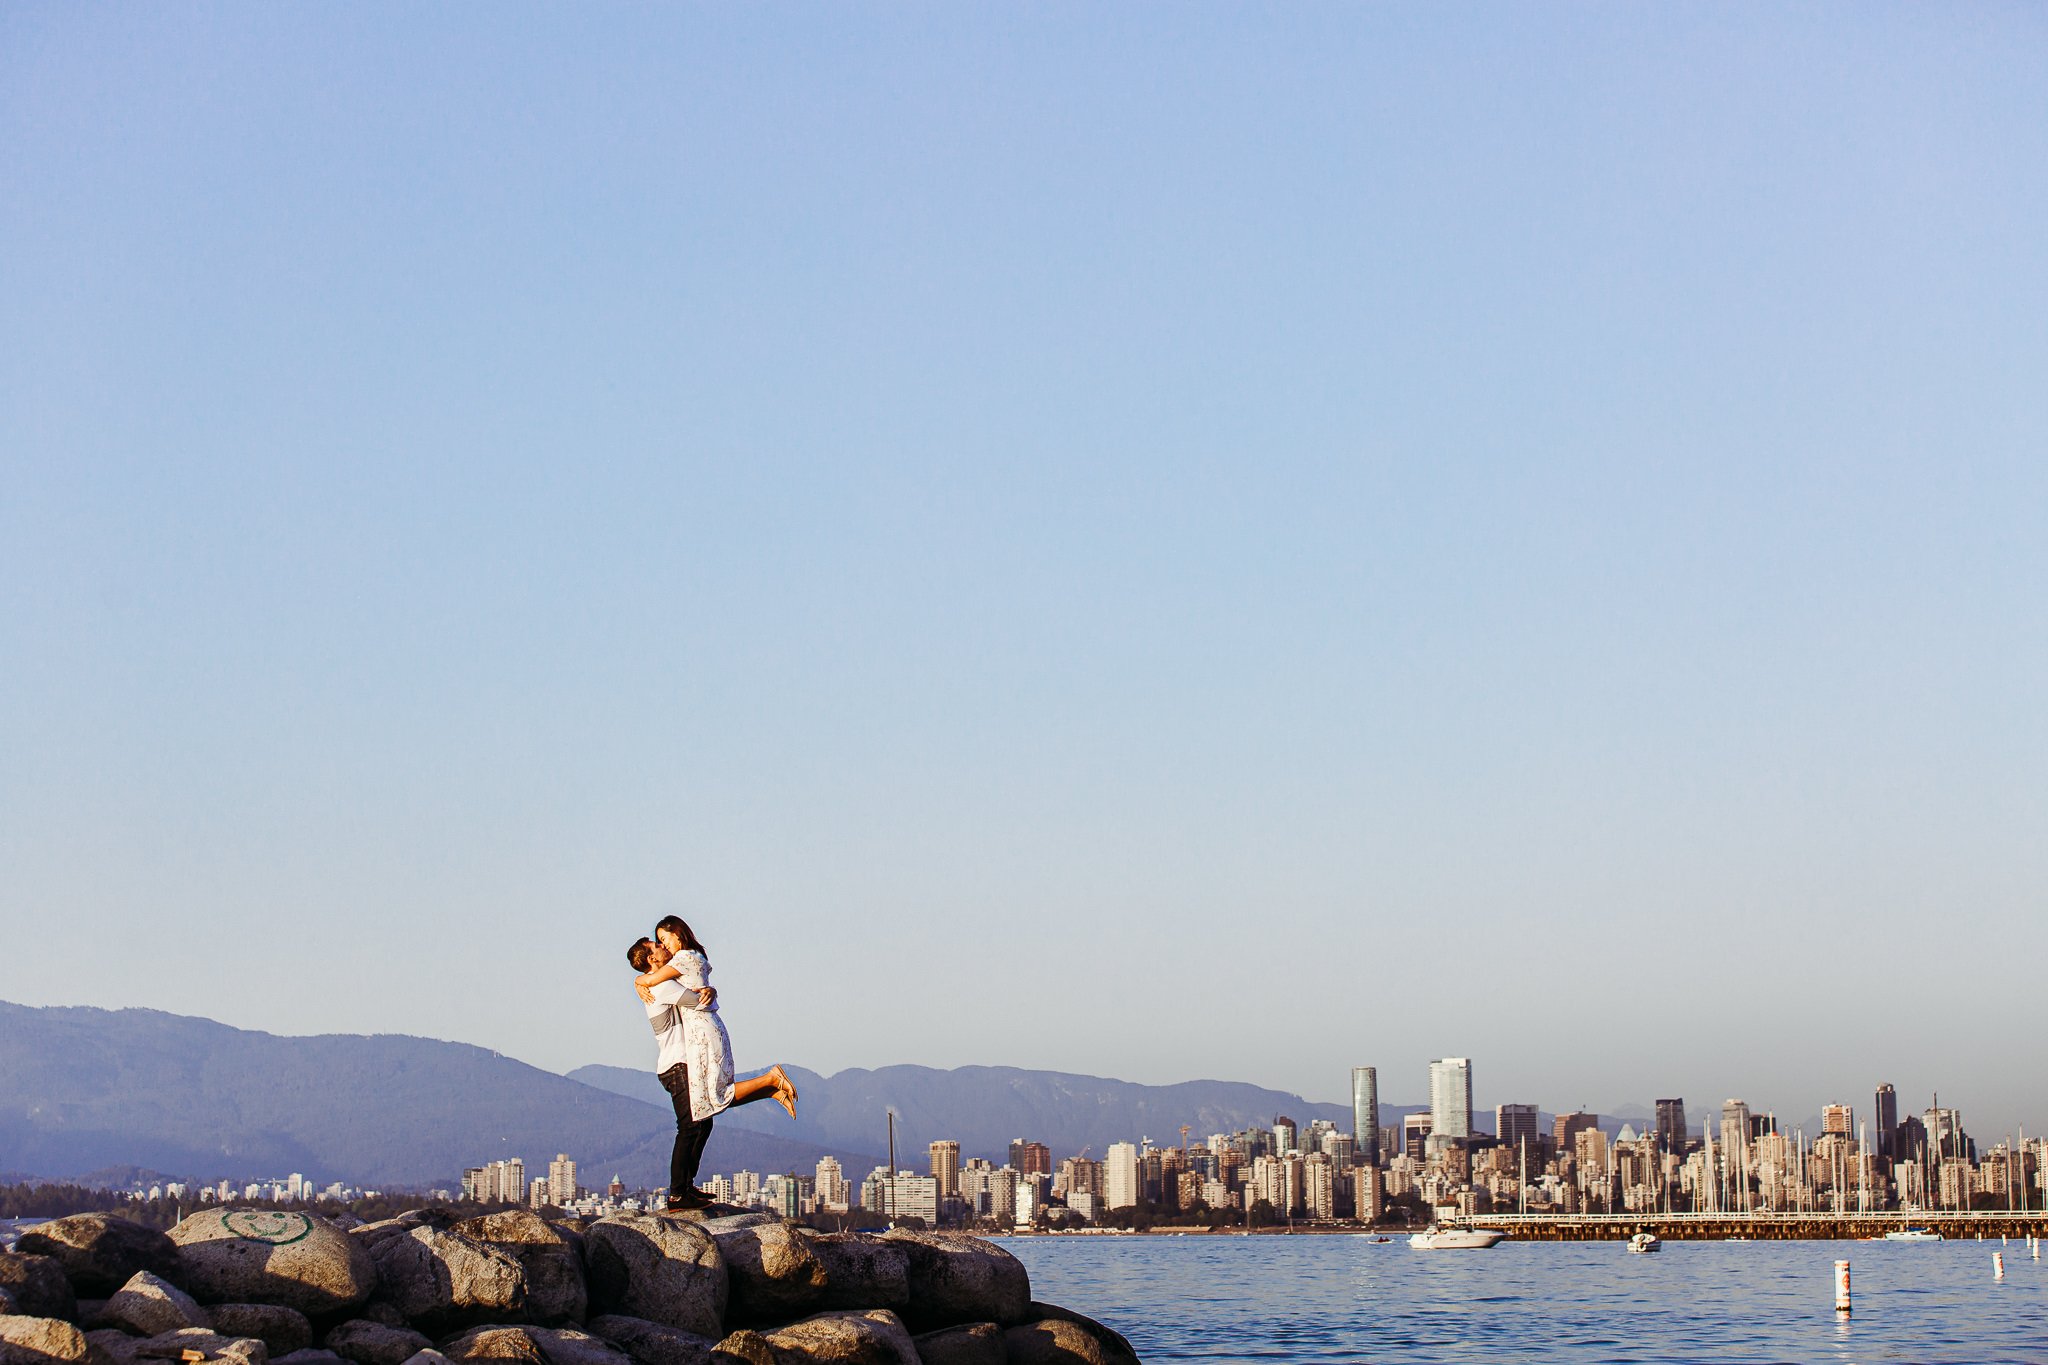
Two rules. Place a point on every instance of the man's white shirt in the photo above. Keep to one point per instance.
(670, 1044)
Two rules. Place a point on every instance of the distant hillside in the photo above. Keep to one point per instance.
(984, 1107)
(86, 1089)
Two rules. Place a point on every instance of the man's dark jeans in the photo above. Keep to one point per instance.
(691, 1135)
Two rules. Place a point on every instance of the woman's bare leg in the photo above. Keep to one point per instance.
(755, 1088)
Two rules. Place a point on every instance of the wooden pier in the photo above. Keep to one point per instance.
(1759, 1227)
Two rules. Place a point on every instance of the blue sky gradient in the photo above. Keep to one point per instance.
(1160, 541)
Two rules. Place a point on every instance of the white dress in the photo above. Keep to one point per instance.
(707, 1051)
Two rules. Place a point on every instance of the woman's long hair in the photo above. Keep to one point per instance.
(675, 925)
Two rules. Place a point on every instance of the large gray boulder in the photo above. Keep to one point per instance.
(650, 1343)
(877, 1337)
(976, 1343)
(148, 1305)
(553, 1267)
(26, 1339)
(773, 1274)
(100, 1252)
(373, 1343)
(956, 1278)
(1059, 1336)
(663, 1269)
(284, 1331)
(861, 1271)
(37, 1286)
(441, 1280)
(259, 1256)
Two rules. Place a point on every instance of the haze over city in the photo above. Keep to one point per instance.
(1154, 542)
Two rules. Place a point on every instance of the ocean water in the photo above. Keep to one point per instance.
(1343, 1299)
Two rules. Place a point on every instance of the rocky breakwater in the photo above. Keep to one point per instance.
(724, 1287)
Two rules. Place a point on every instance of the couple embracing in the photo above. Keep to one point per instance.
(694, 1055)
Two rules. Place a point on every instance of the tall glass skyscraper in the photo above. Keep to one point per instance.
(1450, 1097)
(1365, 1113)
(1887, 1120)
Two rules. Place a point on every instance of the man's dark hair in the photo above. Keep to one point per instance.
(641, 954)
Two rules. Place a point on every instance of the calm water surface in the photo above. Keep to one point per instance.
(1347, 1299)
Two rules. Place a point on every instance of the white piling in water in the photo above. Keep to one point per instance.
(1997, 1265)
(2036, 1243)
(1841, 1286)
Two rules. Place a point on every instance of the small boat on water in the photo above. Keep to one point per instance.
(1456, 1239)
(1644, 1242)
(1913, 1235)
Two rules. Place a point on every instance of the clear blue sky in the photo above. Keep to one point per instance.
(1161, 541)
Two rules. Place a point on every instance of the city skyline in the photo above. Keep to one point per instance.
(998, 516)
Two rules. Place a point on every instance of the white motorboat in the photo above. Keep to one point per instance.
(1644, 1242)
(1456, 1239)
(1913, 1235)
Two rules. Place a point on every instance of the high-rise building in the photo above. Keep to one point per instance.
(830, 1184)
(1887, 1107)
(946, 1167)
(1565, 1127)
(1450, 1097)
(1120, 1176)
(1415, 1130)
(1514, 1124)
(1286, 1136)
(1365, 1112)
(562, 1179)
(1030, 1158)
(1837, 1118)
(1671, 1134)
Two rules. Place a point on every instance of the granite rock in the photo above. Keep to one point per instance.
(26, 1339)
(663, 1269)
(37, 1285)
(955, 1278)
(374, 1343)
(285, 1331)
(548, 1257)
(495, 1343)
(172, 1346)
(650, 1343)
(100, 1252)
(441, 1280)
(148, 1305)
(259, 1256)
(773, 1274)
(975, 1343)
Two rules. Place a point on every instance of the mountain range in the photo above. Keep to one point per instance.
(83, 1090)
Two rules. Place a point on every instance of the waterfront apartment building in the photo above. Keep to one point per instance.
(946, 1167)
(562, 1179)
(1030, 1158)
(1120, 1176)
(830, 1184)
(1415, 1131)
(1365, 1112)
(1450, 1097)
